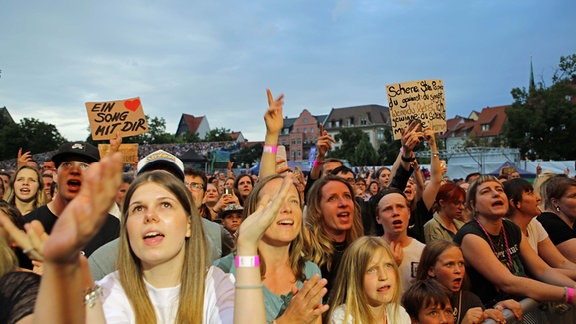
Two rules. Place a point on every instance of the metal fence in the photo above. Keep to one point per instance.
(541, 313)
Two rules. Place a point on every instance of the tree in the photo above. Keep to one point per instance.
(30, 134)
(350, 137)
(540, 121)
(365, 154)
(190, 137)
(247, 155)
(388, 151)
(218, 135)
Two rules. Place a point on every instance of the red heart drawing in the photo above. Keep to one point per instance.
(132, 104)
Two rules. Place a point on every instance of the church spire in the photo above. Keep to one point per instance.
(532, 86)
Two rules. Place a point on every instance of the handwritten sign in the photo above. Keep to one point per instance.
(129, 152)
(422, 100)
(124, 116)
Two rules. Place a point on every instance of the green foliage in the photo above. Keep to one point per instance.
(247, 155)
(540, 122)
(475, 141)
(218, 135)
(365, 154)
(29, 134)
(189, 137)
(388, 151)
(356, 147)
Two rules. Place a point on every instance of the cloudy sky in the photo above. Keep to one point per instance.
(215, 58)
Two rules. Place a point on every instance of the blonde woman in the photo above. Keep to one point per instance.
(26, 192)
(367, 287)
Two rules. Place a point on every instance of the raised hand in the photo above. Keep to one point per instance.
(254, 226)
(84, 215)
(115, 143)
(30, 241)
(324, 143)
(23, 158)
(412, 136)
(273, 116)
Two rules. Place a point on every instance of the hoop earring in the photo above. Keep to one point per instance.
(558, 208)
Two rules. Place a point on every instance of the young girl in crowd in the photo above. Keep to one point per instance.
(442, 261)
(284, 268)
(498, 256)
(243, 186)
(367, 287)
(163, 259)
(427, 302)
(26, 192)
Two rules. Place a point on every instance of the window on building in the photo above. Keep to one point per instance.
(337, 123)
(380, 134)
(305, 120)
(311, 130)
(485, 127)
(297, 130)
(363, 121)
(283, 142)
(305, 130)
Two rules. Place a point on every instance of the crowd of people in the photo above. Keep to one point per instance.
(83, 241)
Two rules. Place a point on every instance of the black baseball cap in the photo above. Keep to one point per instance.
(76, 151)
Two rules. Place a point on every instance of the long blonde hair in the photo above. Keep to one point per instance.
(39, 198)
(193, 276)
(348, 289)
(320, 247)
(296, 259)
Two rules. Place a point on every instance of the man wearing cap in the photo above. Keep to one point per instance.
(71, 160)
(103, 261)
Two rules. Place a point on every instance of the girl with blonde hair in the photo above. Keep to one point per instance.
(367, 287)
(25, 191)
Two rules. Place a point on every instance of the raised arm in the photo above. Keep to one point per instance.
(61, 295)
(401, 170)
(274, 122)
(479, 255)
(431, 190)
(249, 298)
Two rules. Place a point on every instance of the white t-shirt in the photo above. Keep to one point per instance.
(218, 299)
(536, 233)
(409, 265)
(401, 318)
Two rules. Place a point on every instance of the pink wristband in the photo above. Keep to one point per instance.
(249, 261)
(570, 295)
(317, 163)
(270, 149)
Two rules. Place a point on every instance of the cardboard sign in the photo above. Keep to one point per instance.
(129, 152)
(124, 116)
(422, 100)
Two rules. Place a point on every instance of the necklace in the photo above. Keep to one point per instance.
(511, 263)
